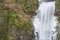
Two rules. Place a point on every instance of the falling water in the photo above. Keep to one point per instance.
(44, 22)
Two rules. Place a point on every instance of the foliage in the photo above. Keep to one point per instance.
(8, 20)
(3, 24)
(18, 22)
(1, 1)
(28, 5)
(58, 15)
(11, 23)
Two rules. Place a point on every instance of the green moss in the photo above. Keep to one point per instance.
(18, 22)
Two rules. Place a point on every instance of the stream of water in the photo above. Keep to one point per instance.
(44, 22)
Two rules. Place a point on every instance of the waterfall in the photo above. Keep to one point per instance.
(45, 22)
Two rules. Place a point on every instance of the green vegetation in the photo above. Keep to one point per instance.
(10, 20)
(3, 24)
(1, 1)
(58, 15)
(12, 27)
(28, 5)
(18, 23)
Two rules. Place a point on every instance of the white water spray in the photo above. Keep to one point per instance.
(44, 22)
